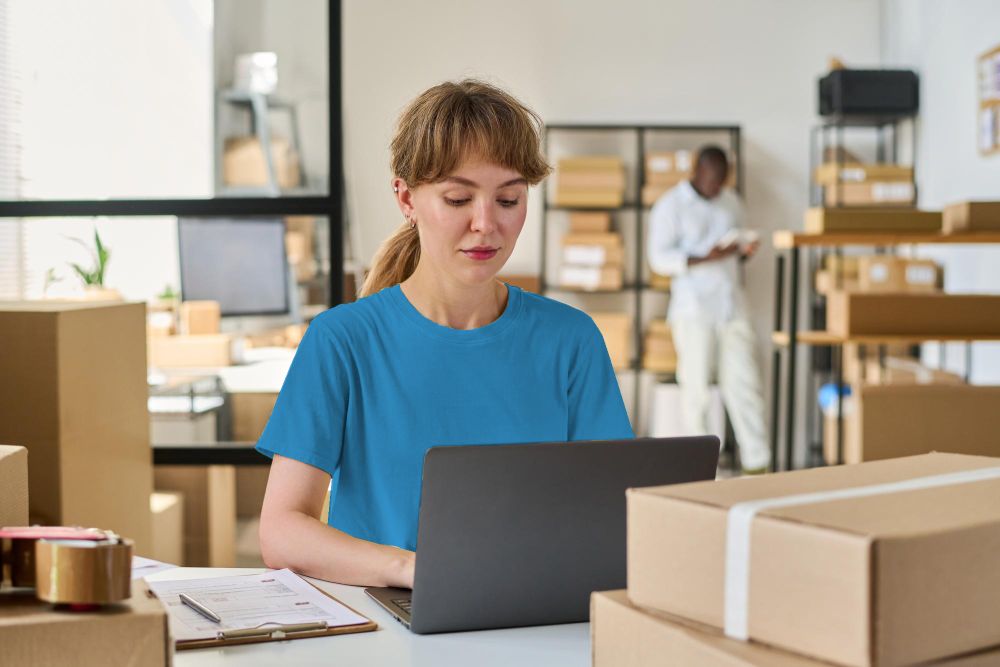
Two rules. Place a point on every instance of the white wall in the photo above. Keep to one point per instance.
(941, 41)
(719, 61)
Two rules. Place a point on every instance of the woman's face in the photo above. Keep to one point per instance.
(469, 222)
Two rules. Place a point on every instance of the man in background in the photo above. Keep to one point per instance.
(695, 237)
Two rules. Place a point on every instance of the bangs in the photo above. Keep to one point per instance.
(455, 123)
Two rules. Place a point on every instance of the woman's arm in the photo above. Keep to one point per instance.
(292, 536)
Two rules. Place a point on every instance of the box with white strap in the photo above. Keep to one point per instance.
(885, 563)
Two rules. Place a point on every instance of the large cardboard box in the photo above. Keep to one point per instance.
(596, 249)
(876, 193)
(863, 314)
(199, 351)
(893, 420)
(168, 527)
(624, 635)
(972, 216)
(827, 282)
(888, 577)
(597, 179)
(73, 392)
(131, 634)
(13, 486)
(243, 163)
(589, 198)
(827, 174)
(885, 273)
(616, 329)
(209, 511)
(834, 220)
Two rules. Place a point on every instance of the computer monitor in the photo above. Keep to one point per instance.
(241, 263)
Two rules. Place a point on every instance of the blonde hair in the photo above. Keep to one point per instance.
(436, 133)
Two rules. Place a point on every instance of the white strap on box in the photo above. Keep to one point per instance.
(741, 515)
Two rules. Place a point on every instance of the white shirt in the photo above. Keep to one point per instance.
(683, 224)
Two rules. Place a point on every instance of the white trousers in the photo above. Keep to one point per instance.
(727, 348)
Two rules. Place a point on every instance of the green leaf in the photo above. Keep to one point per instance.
(87, 277)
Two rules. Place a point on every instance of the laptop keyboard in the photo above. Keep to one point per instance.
(403, 603)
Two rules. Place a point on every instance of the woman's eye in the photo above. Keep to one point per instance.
(456, 202)
(507, 202)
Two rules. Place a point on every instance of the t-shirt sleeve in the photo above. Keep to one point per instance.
(596, 408)
(307, 423)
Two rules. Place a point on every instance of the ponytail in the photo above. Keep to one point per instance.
(394, 262)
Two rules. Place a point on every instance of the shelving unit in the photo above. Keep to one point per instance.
(632, 142)
(787, 336)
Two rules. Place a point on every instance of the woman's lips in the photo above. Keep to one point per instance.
(481, 254)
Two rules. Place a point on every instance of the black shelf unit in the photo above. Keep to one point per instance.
(329, 205)
(635, 289)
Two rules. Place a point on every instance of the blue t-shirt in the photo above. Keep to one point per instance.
(375, 384)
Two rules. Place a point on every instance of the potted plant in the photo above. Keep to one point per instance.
(93, 278)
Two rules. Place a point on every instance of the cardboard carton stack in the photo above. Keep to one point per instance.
(659, 354)
(972, 216)
(879, 273)
(198, 343)
(299, 245)
(616, 329)
(33, 632)
(666, 169)
(829, 565)
(866, 185)
(74, 394)
(592, 254)
(596, 181)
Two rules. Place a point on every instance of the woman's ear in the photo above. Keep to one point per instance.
(404, 197)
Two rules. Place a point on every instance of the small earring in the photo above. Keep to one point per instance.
(413, 223)
(396, 190)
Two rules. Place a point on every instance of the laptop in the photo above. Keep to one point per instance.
(516, 535)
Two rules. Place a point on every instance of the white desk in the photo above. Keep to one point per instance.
(392, 644)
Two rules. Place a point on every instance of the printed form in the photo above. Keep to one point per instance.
(248, 601)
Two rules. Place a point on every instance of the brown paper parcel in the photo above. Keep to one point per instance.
(897, 564)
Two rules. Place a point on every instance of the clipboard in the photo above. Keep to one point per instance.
(269, 632)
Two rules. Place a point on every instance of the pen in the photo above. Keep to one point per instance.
(200, 608)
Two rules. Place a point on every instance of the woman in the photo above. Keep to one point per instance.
(437, 352)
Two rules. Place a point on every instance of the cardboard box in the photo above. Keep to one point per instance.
(659, 281)
(616, 329)
(659, 354)
(863, 314)
(250, 412)
(589, 222)
(13, 487)
(591, 163)
(885, 273)
(201, 351)
(826, 282)
(660, 163)
(130, 634)
(846, 580)
(835, 220)
(894, 420)
(589, 198)
(168, 527)
(876, 193)
(209, 511)
(597, 179)
(826, 173)
(905, 370)
(624, 635)
(243, 163)
(972, 216)
(251, 482)
(846, 265)
(858, 357)
(591, 278)
(593, 249)
(73, 392)
(300, 256)
(200, 317)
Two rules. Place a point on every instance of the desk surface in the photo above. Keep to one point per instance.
(392, 644)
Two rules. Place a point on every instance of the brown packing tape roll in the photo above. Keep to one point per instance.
(22, 563)
(72, 574)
